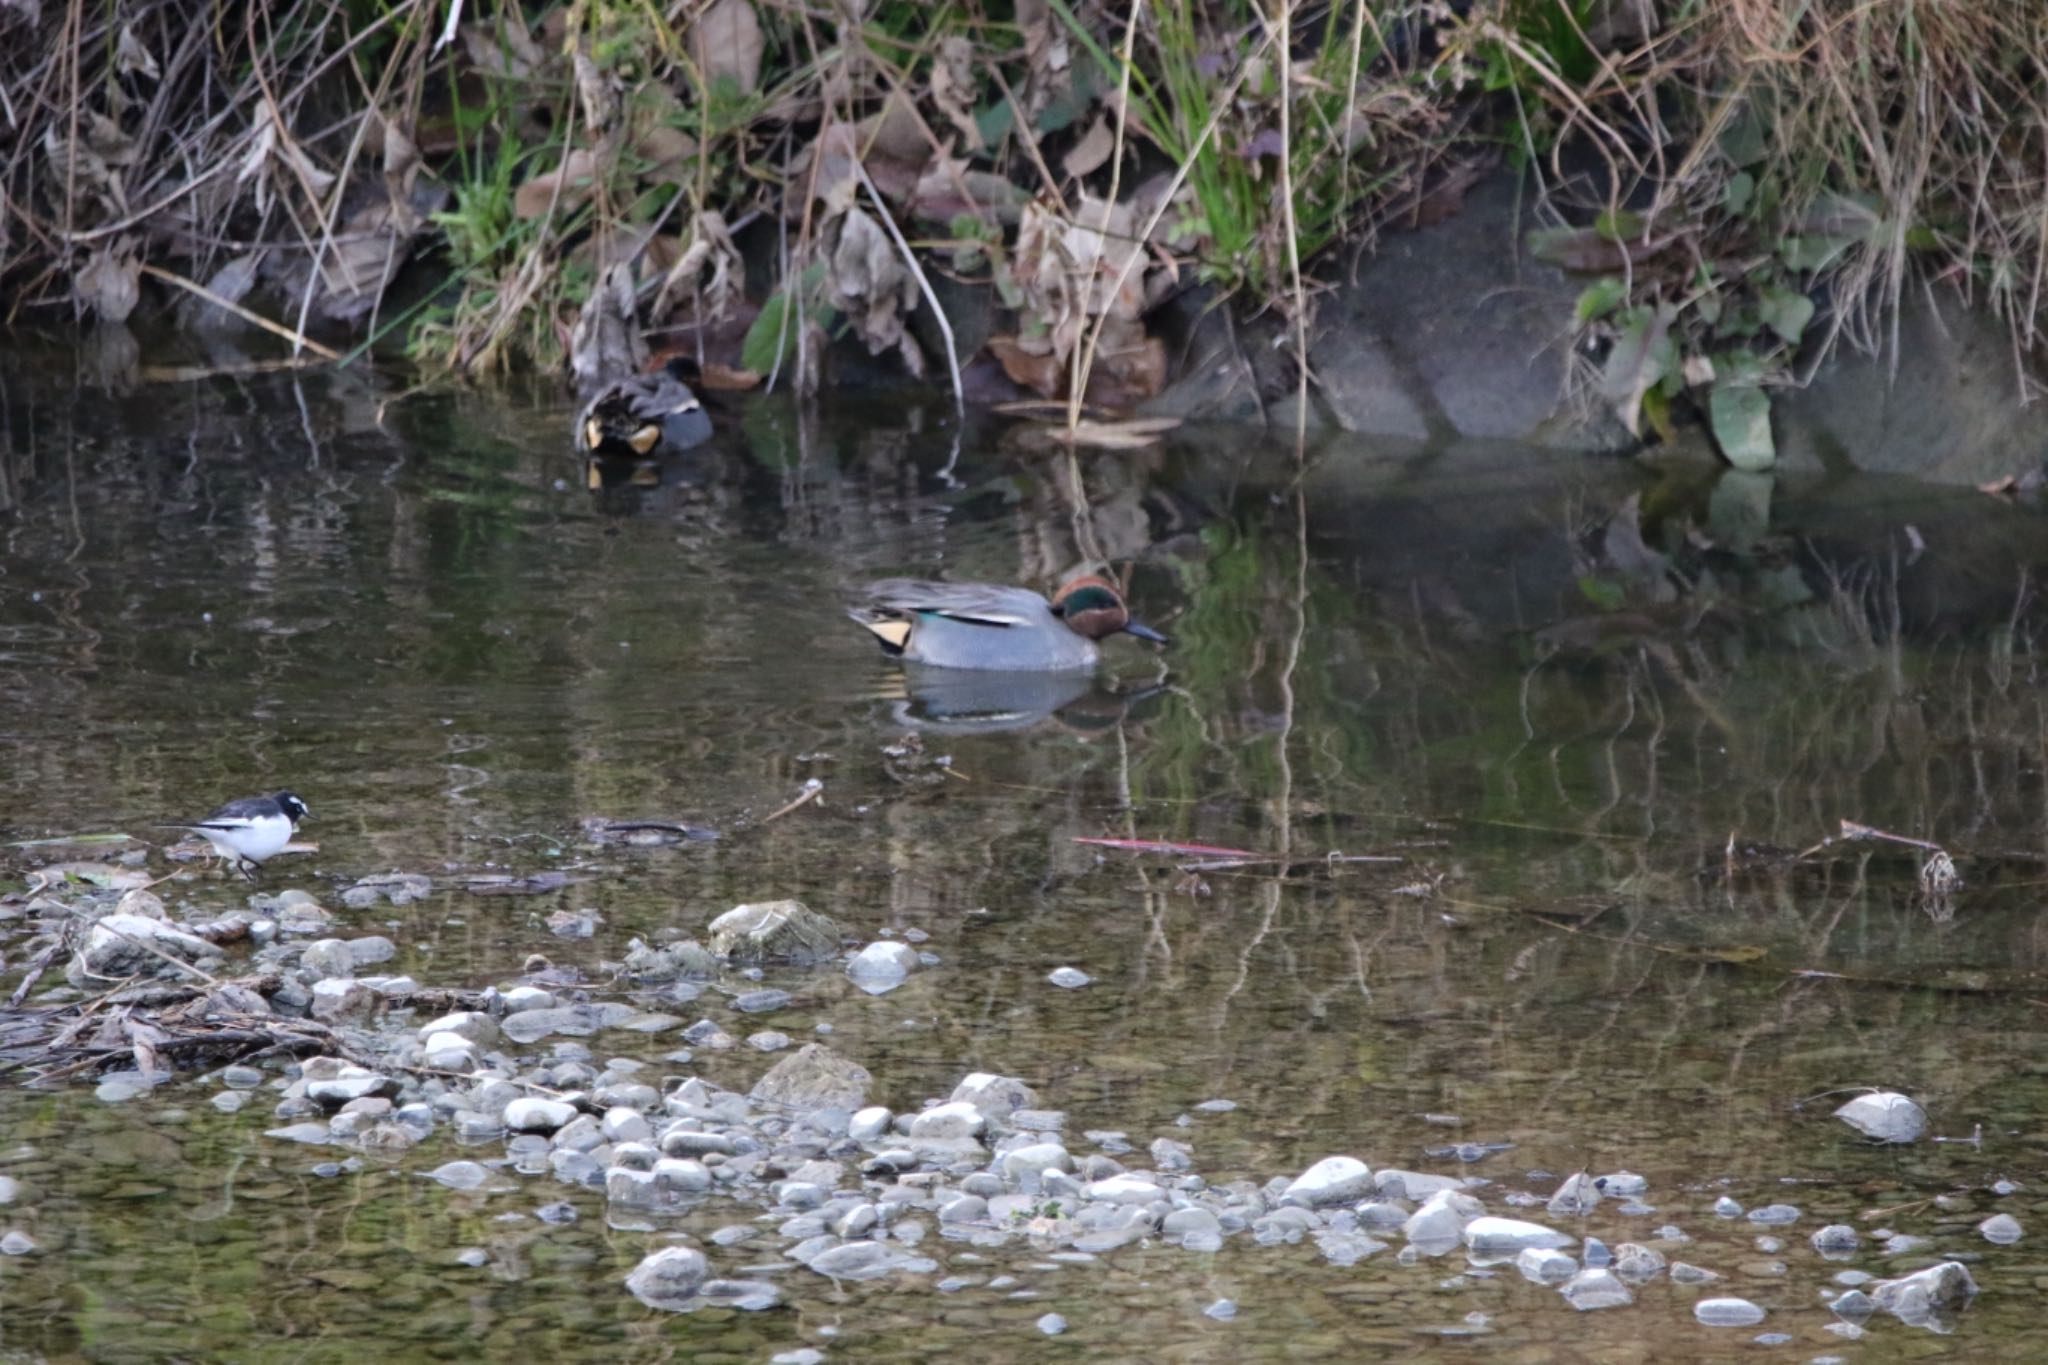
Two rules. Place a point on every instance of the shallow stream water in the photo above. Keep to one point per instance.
(1595, 710)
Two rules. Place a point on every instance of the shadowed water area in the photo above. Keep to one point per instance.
(1596, 733)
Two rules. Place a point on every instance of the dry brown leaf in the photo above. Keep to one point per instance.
(361, 261)
(1129, 366)
(947, 189)
(1047, 56)
(1134, 434)
(597, 92)
(1041, 372)
(895, 131)
(503, 49)
(401, 170)
(232, 282)
(718, 378)
(954, 88)
(1092, 152)
(605, 343)
(110, 282)
(869, 282)
(708, 270)
(656, 137)
(131, 58)
(726, 43)
(574, 176)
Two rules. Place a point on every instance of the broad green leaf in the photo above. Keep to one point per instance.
(1600, 298)
(1619, 225)
(1603, 594)
(1642, 355)
(1811, 253)
(1740, 415)
(1740, 190)
(769, 342)
(1742, 140)
(1786, 312)
(1582, 249)
(995, 121)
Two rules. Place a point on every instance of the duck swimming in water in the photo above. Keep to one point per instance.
(643, 417)
(991, 626)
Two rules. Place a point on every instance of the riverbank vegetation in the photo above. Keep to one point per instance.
(502, 185)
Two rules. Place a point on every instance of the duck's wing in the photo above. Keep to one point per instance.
(981, 604)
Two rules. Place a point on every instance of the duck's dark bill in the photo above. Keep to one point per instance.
(1145, 632)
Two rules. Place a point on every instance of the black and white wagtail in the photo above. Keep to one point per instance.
(250, 829)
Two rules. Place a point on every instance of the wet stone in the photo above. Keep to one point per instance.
(1728, 1312)
(760, 1002)
(768, 1041)
(1052, 1324)
(1884, 1116)
(1854, 1304)
(1576, 1197)
(1916, 1298)
(2001, 1229)
(1333, 1180)
(1774, 1215)
(882, 966)
(531, 1114)
(460, 1175)
(1836, 1238)
(1684, 1273)
(1223, 1310)
(1594, 1289)
(813, 1077)
(1724, 1207)
(1494, 1236)
(17, 1243)
(1637, 1264)
(774, 930)
(669, 1277)
(1545, 1265)
(1069, 978)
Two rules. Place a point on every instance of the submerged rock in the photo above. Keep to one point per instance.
(1591, 1289)
(813, 1077)
(2000, 1229)
(668, 1278)
(1575, 1198)
(785, 930)
(882, 966)
(1727, 1313)
(1918, 1297)
(1545, 1265)
(687, 960)
(1884, 1115)
(1836, 1239)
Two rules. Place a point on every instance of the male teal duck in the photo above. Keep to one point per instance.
(989, 626)
(643, 417)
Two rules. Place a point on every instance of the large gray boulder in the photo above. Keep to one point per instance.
(775, 931)
(125, 945)
(813, 1077)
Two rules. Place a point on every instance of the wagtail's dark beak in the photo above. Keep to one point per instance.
(1145, 632)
